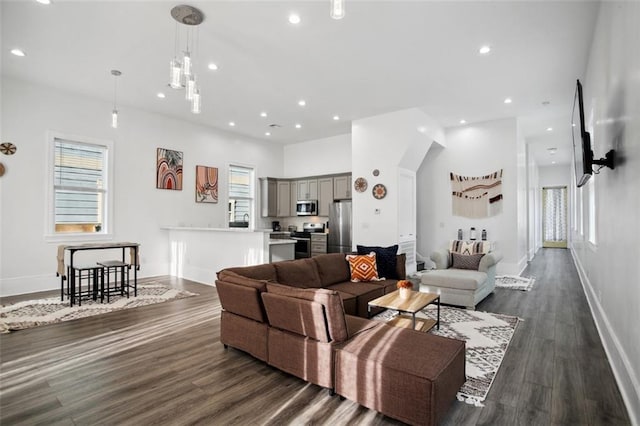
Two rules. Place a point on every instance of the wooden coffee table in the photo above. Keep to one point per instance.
(414, 304)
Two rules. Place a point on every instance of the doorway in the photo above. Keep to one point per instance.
(554, 216)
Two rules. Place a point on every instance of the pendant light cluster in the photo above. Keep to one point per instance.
(114, 112)
(337, 9)
(181, 72)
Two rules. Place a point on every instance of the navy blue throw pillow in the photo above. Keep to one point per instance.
(386, 260)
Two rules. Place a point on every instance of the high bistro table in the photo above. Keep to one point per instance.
(133, 251)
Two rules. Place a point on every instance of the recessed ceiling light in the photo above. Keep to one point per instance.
(553, 162)
(336, 117)
(17, 52)
(484, 50)
(44, 1)
(294, 19)
(552, 151)
(545, 103)
(463, 121)
(267, 133)
(232, 124)
(160, 95)
(508, 101)
(263, 114)
(302, 102)
(298, 125)
(213, 67)
(549, 129)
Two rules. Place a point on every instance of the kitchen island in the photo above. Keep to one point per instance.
(197, 253)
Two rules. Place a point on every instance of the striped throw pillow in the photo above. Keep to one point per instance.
(363, 267)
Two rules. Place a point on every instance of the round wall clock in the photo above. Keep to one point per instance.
(360, 184)
(379, 191)
(7, 148)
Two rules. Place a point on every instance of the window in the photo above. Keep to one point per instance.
(241, 195)
(79, 183)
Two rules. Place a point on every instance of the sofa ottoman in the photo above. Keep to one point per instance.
(404, 374)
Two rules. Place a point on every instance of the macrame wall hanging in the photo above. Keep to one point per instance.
(476, 197)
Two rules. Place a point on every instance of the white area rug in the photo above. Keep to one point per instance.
(487, 337)
(32, 313)
(514, 282)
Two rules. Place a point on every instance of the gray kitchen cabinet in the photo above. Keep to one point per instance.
(308, 189)
(325, 195)
(342, 187)
(284, 199)
(268, 197)
(318, 243)
(294, 196)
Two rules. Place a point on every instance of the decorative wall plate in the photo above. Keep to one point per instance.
(1, 169)
(7, 148)
(360, 184)
(376, 172)
(379, 191)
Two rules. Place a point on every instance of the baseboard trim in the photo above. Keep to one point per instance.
(618, 360)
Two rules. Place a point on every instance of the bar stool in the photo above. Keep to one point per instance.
(90, 273)
(113, 266)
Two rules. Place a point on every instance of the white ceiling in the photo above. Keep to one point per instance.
(382, 57)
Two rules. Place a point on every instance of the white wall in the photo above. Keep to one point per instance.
(473, 150)
(28, 262)
(555, 175)
(318, 157)
(386, 142)
(533, 206)
(609, 270)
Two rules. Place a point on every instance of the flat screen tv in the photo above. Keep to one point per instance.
(582, 155)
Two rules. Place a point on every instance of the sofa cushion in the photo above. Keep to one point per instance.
(461, 261)
(363, 267)
(329, 299)
(332, 268)
(461, 279)
(301, 273)
(349, 302)
(241, 295)
(469, 247)
(299, 316)
(364, 292)
(385, 258)
(258, 272)
(232, 277)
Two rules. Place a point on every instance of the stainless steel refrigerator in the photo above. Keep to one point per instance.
(340, 214)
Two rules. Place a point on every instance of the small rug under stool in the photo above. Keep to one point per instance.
(514, 282)
(32, 313)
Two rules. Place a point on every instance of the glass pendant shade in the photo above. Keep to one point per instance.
(175, 74)
(186, 64)
(114, 118)
(191, 87)
(195, 102)
(337, 9)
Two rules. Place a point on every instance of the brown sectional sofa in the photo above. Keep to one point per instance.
(306, 318)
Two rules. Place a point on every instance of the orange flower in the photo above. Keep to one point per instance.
(404, 284)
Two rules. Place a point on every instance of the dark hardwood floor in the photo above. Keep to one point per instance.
(164, 364)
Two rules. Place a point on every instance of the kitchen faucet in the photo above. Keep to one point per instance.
(245, 217)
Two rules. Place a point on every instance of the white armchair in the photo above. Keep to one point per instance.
(462, 287)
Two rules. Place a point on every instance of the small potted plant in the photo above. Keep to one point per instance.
(405, 287)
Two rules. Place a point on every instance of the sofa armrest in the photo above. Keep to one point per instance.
(489, 260)
(441, 258)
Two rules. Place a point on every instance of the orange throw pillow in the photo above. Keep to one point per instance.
(363, 267)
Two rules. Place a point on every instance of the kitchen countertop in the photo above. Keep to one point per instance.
(273, 242)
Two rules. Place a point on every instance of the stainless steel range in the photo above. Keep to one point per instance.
(303, 239)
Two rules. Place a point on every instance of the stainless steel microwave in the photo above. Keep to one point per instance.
(307, 208)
